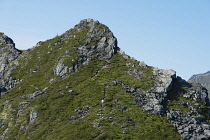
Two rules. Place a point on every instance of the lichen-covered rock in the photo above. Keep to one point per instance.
(149, 101)
(22, 106)
(190, 118)
(191, 125)
(33, 116)
(100, 42)
(8, 53)
(7, 84)
(60, 69)
(164, 79)
(5, 39)
(34, 95)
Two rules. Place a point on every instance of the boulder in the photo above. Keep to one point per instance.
(33, 116)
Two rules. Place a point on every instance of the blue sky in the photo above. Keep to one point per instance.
(169, 34)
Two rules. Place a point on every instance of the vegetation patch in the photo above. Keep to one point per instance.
(71, 107)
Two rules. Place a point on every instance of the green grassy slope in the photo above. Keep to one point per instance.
(70, 107)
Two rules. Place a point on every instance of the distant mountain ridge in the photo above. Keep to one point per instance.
(203, 79)
(81, 86)
(195, 75)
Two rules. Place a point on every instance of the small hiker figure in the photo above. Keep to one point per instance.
(102, 102)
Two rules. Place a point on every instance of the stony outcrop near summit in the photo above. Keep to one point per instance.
(98, 42)
(80, 85)
(8, 53)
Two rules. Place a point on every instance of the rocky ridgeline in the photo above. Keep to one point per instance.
(154, 99)
(203, 79)
(181, 102)
(190, 123)
(8, 53)
(99, 42)
(6, 40)
(105, 43)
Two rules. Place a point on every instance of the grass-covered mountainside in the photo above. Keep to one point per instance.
(81, 86)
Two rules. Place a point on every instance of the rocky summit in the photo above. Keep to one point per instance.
(81, 86)
(8, 53)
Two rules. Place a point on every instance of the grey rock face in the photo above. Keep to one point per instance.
(34, 95)
(5, 102)
(153, 99)
(100, 42)
(105, 44)
(23, 128)
(191, 125)
(33, 116)
(81, 112)
(22, 106)
(5, 39)
(7, 84)
(4, 134)
(60, 69)
(8, 53)
(203, 79)
(148, 100)
(164, 79)
(197, 91)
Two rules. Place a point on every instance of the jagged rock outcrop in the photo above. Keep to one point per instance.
(152, 100)
(164, 79)
(5, 40)
(99, 42)
(203, 79)
(189, 112)
(190, 123)
(22, 106)
(7, 84)
(33, 116)
(8, 53)
(34, 95)
(104, 45)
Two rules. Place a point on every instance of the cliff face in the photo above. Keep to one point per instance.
(8, 53)
(80, 85)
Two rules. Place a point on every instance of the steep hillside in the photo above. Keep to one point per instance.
(203, 79)
(80, 85)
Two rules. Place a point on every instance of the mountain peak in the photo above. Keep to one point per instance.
(87, 22)
(95, 39)
(8, 54)
(5, 40)
(80, 86)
